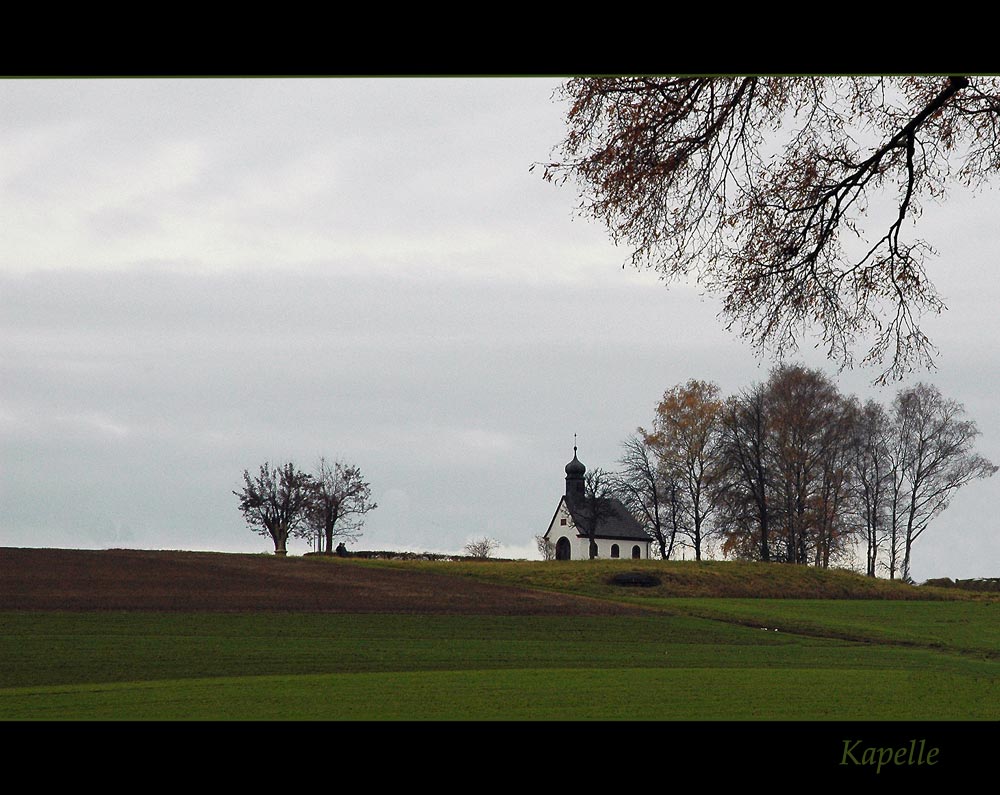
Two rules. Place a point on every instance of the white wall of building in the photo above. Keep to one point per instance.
(562, 525)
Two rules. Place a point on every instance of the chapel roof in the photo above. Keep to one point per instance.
(614, 519)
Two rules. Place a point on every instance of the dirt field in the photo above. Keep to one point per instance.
(59, 579)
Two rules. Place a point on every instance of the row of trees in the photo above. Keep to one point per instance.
(793, 471)
(284, 502)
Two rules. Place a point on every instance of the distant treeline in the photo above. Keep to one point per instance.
(388, 554)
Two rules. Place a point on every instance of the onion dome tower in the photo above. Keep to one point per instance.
(575, 471)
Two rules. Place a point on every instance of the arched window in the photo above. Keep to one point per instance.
(636, 552)
(614, 551)
(562, 549)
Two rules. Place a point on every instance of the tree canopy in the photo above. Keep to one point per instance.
(274, 501)
(790, 197)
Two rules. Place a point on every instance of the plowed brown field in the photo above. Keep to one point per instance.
(60, 579)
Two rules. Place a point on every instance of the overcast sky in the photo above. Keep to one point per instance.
(200, 275)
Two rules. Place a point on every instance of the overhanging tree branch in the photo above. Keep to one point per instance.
(759, 187)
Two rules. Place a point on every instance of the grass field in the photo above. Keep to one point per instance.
(712, 642)
(903, 661)
(253, 666)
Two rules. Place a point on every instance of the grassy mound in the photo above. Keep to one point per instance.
(727, 579)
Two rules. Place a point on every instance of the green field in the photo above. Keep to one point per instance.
(693, 660)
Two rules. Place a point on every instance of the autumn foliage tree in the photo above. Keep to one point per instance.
(793, 471)
(686, 433)
(786, 471)
(789, 197)
(809, 434)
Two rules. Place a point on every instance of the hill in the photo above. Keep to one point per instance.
(120, 579)
(638, 580)
(125, 579)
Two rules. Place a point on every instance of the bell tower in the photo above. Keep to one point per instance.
(574, 475)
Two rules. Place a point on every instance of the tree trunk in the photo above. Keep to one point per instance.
(764, 520)
(872, 552)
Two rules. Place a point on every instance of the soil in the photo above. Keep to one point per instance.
(122, 579)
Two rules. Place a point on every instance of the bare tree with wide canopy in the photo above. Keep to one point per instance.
(790, 197)
(339, 500)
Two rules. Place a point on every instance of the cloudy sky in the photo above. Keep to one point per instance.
(200, 275)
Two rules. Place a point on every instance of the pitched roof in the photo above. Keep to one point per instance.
(613, 521)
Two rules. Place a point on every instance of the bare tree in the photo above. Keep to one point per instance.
(872, 479)
(340, 499)
(482, 548)
(834, 519)
(896, 530)
(743, 475)
(761, 187)
(545, 548)
(595, 505)
(937, 458)
(275, 501)
(647, 492)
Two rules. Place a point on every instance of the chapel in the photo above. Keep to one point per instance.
(616, 532)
